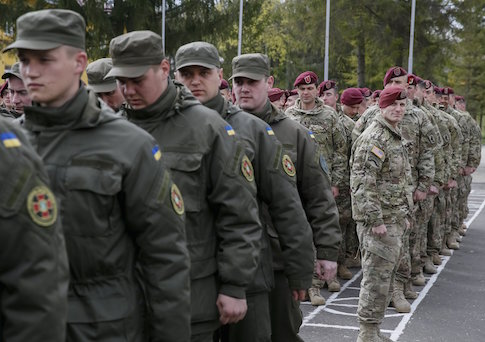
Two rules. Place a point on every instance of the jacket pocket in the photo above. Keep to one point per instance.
(188, 175)
(91, 206)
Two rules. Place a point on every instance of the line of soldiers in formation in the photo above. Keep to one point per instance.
(260, 199)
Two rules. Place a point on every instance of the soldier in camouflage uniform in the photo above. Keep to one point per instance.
(311, 112)
(381, 201)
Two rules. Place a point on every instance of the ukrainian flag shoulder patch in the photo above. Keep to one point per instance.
(311, 134)
(269, 130)
(230, 130)
(10, 140)
(157, 154)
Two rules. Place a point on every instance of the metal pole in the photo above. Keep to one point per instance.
(239, 44)
(163, 26)
(411, 38)
(327, 39)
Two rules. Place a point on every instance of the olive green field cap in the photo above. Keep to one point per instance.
(197, 53)
(14, 71)
(49, 29)
(252, 65)
(133, 53)
(96, 72)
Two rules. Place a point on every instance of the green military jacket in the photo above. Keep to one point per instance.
(34, 272)
(329, 134)
(6, 114)
(380, 176)
(282, 214)
(311, 179)
(123, 223)
(222, 219)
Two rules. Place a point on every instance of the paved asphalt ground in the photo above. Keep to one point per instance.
(449, 308)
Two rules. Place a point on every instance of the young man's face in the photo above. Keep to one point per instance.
(18, 94)
(400, 81)
(203, 82)
(290, 101)
(395, 112)
(330, 98)
(351, 110)
(251, 95)
(114, 98)
(411, 91)
(141, 92)
(307, 93)
(52, 76)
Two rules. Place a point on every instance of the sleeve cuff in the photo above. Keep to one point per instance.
(233, 291)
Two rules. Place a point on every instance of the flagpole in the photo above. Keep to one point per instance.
(327, 39)
(411, 38)
(239, 44)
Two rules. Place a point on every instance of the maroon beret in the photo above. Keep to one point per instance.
(3, 88)
(395, 71)
(459, 98)
(390, 95)
(376, 94)
(327, 85)
(447, 91)
(365, 91)
(351, 96)
(437, 90)
(292, 92)
(274, 94)
(428, 84)
(307, 77)
(414, 80)
(224, 85)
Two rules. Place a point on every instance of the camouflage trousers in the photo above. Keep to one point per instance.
(454, 205)
(463, 194)
(380, 259)
(418, 238)
(347, 228)
(404, 268)
(436, 228)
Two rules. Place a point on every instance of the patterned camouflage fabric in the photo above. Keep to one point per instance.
(381, 194)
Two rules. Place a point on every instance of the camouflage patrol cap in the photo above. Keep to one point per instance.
(133, 53)
(14, 71)
(49, 29)
(197, 53)
(96, 72)
(252, 65)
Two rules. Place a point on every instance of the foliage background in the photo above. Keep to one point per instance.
(366, 36)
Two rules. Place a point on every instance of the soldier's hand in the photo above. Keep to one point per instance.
(433, 190)
(419, 196)
(231, 310)
(298, 294)
(469, 170)
(335, 191)
(452, 183)
(380, 230)
(326, 270)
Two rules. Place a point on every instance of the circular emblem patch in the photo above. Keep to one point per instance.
(308, 79)
(288, 166)
(247, 169)
(328, 85)
(397, 72)
(42, 206)
(177, 201)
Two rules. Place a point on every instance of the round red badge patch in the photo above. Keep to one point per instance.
(288, 166)
(42, 206)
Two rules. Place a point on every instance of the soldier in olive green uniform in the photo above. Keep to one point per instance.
(251, 81)
(122, 215)
(105, 88)
(381, 202)
(198, 68)
(34, 272)
(214, 174)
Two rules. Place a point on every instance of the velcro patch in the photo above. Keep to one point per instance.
(9, 140)
(42, 206)
(288, 166)
(378, 152)
(269, 130)
(156, 152)
(247, 169)
(177, 201)
(230, 130)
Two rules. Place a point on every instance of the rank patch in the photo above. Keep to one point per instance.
(311, 134)
(269, 130)
(378, 152)
(42, 206)
(157, 154)
(288, 165)
(9, 140)
(247, 169)
(177, 200)
(230, 130)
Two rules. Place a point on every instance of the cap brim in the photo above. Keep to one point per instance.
(127, 71)
(9, 74)
(202, 64)
(32, 45)
(103, 88)
(250, 75)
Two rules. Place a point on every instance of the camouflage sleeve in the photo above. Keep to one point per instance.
(465, 146)
(438, 153)
(426, 163)
(364, 121)
(475, 150)
(365, 168)
(340, 160)
(455, 145)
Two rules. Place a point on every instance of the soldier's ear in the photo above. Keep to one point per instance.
(270, 82)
